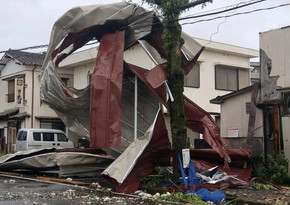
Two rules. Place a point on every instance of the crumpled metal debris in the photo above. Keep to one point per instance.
(116, 121)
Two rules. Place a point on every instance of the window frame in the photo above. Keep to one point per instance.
(11, 90)
(227, 68)
(193, 71)
(46, 137)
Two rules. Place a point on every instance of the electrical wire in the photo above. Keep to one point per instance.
(219, 17)
(236, 14)
(224, 21)
(204, 14)
(235, 7)
(149, 23)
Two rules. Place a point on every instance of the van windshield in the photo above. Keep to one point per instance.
(22, 135)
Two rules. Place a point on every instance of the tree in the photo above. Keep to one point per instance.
(171, 10)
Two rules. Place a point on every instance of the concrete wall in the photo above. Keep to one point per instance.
(276, 45)
(234, 117)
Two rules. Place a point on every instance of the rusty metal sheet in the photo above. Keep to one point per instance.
(197, 119)
(200, 121)
(127, 171)
(157, 76)
(240, 166)
(106, 89)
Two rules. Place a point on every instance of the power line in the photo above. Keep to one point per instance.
(227, 8)
(210, 19)
(224, 7)
(149, 23)
(236, 14)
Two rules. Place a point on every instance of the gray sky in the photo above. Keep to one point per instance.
(27, 23)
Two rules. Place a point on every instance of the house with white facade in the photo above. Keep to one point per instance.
(271, 127)
(236, 111)
(221, 69)
(20, 104)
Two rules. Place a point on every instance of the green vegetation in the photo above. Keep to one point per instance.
(260, 186)
(184, 198)
(159, 176)
(274, 169)
(281, 203)
(2, 153)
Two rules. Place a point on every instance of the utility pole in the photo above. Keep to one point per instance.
(171, 10)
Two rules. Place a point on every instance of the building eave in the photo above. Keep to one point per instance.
(221, 99)
(227, 48)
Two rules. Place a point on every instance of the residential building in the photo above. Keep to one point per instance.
(221, 69)
(272, 113)
(235, 115)
(20, 104)
(255, 72)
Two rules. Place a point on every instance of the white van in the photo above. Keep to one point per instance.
(28, 139)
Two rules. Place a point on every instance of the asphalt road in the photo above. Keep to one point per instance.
(19, 191)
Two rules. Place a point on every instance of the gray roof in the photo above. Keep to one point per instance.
(25, 58)
(6, 113)
(221, 99)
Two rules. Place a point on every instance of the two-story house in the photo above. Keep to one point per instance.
(221, 69)
(20, 104)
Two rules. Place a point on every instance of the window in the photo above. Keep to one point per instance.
(65, 81)
(61, 137)
(22, 136)
(11, 90)
(48, 136)
(248, 107)
(226, 78)
(192, 78)
(36, 136)
(52, 124)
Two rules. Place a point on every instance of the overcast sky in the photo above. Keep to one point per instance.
(27, 23)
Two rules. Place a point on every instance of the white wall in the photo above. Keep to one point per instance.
(276, 45)
(81, 75)
(233, 115)
(207, 91)
(137, 56)
(286, 134)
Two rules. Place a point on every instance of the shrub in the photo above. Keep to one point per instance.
(275, 169)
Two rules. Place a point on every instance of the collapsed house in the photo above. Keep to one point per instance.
(121, 112)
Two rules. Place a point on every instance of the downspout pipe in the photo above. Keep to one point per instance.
(32, 96)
